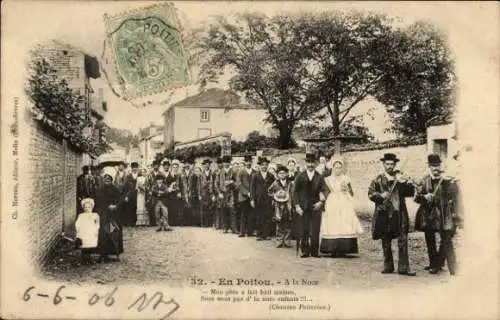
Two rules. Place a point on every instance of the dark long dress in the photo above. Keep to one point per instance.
(110, 231)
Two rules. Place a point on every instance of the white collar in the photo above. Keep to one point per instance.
(310, 175)
(263, 173)
(248, 170)
(283, 182)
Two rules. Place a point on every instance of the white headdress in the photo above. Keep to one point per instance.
(87, 200)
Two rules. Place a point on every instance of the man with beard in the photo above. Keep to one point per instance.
(174, 184)
(207, 194)
(225, 188)
(244, 196)
(308, 204)
(260, 199)
(390, 219)
(85, 188)
(130, 196)
(438, 213)
(218, 200)
(186, 177)
(150, 182)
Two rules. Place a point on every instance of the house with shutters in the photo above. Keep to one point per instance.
(211, 113)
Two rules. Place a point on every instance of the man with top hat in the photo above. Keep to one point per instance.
(243, 203)
(390, 220)
(280, 191)
(175, 191)
(291, 164)
(187, 171)
(438, 213)
(225, 190)
(85, 187)
(308, 203)
(150, 182)
(260, 200)
(218, 201)
(130, 196)
(207, 195)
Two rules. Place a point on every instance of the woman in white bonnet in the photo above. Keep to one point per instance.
(340, 226)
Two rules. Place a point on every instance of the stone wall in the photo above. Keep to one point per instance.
(51, 170)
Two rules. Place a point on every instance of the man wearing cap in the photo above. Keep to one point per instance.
(308, 204)
(260, 200)
(130, 196)
(438, 212)
(225, 191)
(244, 207)
(390, 219)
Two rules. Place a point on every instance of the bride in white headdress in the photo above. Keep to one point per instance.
(340, 226)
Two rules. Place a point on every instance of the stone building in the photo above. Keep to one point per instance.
(209, 113)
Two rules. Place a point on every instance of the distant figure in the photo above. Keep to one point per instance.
(244, 209)
(142, 215)
(260, 200)
(130, 196)
(160, 198)
(85, 187)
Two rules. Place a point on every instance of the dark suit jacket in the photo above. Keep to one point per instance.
(259, 188)
(243, 185)
(300, 195)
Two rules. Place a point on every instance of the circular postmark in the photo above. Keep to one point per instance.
(149, 54)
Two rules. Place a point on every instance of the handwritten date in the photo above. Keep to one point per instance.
(139, 303)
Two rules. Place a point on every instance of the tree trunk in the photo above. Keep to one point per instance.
(335, 114)
(285, 135)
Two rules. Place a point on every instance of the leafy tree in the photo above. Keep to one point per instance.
(422, 82)
(268, 66)
(343, 49)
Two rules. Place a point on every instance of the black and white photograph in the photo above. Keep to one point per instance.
(278, 160)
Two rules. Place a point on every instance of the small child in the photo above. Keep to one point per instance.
(280, 191)
(159, 193)
(87, 229)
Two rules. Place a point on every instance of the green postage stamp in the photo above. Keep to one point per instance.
(145, 52)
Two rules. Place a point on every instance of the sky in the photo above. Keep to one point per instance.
(81, 24)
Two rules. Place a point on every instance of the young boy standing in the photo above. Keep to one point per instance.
(87, 229)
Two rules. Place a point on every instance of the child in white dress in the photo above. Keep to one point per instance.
(87, 229)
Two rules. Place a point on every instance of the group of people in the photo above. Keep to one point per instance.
(313, 206)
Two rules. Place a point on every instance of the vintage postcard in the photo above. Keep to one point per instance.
(249, 160)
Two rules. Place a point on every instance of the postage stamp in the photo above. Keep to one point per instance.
(144, 48)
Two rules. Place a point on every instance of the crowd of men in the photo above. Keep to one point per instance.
(284, 201)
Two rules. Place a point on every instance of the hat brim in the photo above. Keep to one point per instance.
(386, 159)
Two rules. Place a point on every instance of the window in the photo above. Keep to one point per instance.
(204, 132)
(441, 148)
(204, 115)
